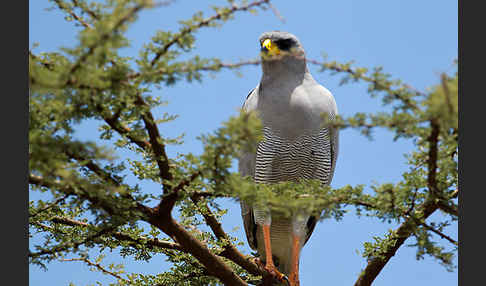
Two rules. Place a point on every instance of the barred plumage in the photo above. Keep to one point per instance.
(296, 146)
(306, 157)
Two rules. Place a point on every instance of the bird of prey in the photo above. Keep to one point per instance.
(296, 146)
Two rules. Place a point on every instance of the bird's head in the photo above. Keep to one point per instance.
(277, 45)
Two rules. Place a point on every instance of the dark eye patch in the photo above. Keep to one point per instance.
(285, 44)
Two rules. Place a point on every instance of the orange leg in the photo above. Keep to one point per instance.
(294, 270)
(269, 266)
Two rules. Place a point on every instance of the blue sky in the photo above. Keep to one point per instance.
(413, 40)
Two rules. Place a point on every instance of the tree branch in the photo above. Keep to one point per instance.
(85, 9)
(70, 12)
(114, 123)
(450, 209)
(154, 145)
(91, 165)
(40, 181)
(168, 201)
(433, 140)
(230, 251)
(121, 236)
(84, 194)
(104, 37)
(98, 266)
(50, 205)
(157, 146)
(211, 67)
(215, 266)
(203, 23)
(348, 70)
(67, 246)
(376, 264)
(441, 234)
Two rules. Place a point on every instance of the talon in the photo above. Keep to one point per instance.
(272, 270)
(286, 279)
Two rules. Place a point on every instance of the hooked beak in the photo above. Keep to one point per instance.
(270, 48)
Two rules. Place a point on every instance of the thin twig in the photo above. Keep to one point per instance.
(352, 72)
(67, 246)
(54, 203)
(450, 209)
(98, 266)
(122, 236)
(212, 67)
(91, 165)
(230, 251)
(88, 11)
(84, 194)
(376, 264)
(104, 37)
(439, 233)
(158, 146)
(203, 23)
(70, 12)
(276, 12)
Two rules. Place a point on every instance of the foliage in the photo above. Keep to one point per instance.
(91, 206)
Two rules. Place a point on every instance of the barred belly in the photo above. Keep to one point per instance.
(307, 156)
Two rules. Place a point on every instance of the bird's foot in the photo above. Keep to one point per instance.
(272, 271)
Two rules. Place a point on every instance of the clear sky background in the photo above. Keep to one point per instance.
(413, 40)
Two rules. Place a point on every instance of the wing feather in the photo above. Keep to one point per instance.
(246, 167)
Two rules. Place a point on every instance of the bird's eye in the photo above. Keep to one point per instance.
(284, 44)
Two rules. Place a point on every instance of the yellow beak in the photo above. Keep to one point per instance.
(270, 47)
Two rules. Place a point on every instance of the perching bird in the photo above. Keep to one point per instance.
(296, 146)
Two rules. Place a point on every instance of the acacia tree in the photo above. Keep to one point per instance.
(92, 206)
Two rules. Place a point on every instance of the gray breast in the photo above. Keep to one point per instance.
(307, 156)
